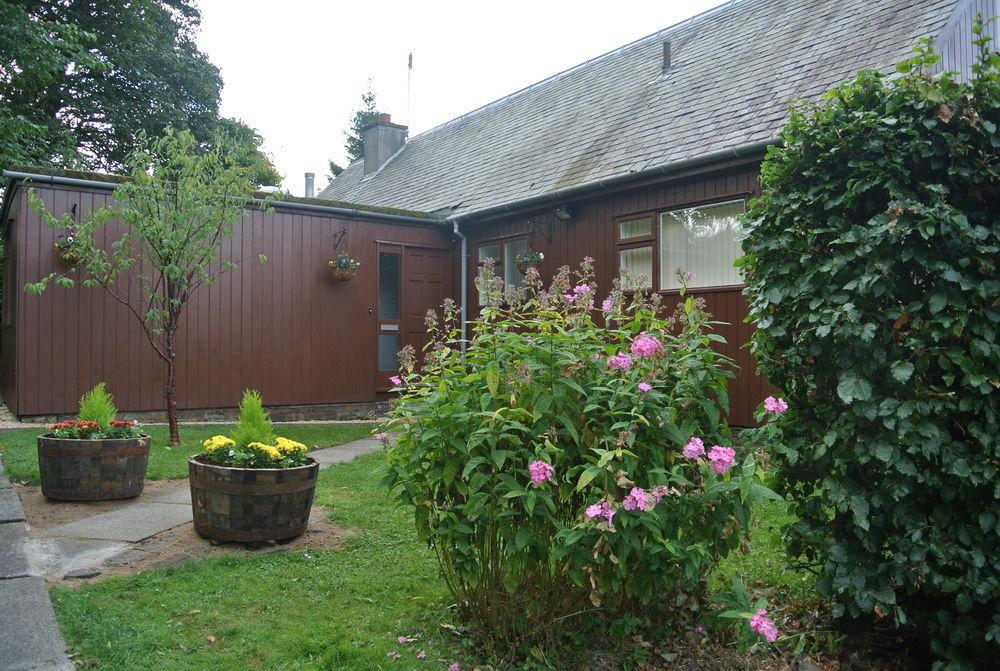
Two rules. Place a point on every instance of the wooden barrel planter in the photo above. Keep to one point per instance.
(251, 504)
(92, 470)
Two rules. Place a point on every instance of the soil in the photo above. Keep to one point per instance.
(42, 513)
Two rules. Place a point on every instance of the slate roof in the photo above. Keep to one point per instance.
(734, 70)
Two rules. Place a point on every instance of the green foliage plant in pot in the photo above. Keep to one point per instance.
(94, 457)
(252, 486)
(871, 268)
(572, 459)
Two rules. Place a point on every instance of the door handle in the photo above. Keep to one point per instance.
(371, 311)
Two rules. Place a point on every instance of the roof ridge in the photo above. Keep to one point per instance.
(700, 15)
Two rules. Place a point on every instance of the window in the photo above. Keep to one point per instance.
(702, 240)
(504, 254)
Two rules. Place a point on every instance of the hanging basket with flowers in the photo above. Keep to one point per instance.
(528, 259)
(68, 247)
(344, 267)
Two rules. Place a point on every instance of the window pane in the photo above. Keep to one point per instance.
(511, 275)
(639, 263)
(491, 251)
(635, 228)
(388, 352)
(701, 240)
(388, 286)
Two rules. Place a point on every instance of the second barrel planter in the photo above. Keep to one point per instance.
(251, 504)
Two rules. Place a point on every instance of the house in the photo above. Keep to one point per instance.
(640, 158)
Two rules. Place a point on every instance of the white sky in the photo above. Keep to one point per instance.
(295, 69)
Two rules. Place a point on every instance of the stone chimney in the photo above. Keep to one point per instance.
(310, 185)
(381, 140)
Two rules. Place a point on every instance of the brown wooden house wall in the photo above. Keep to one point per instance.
(592, 233)
(284, 327)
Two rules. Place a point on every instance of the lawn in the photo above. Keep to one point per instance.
(337, 608)
(19, 456)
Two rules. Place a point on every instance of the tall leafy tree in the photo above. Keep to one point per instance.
(366, 114)
(162, 240)
(248, 142)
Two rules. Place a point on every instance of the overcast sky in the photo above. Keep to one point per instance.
(295, 70)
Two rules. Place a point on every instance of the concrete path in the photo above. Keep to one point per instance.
(30, 638)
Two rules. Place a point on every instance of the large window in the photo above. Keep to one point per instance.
(703, 241)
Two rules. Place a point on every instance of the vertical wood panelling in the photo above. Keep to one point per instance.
(284, 327)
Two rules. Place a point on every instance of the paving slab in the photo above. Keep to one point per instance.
(343, 453)
(179, 494)
(10, 506)
(13, 558)
(53, 557)
(131, 524)
(31, 640)
(4, 481)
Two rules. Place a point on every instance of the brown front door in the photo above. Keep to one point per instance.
(411, 280)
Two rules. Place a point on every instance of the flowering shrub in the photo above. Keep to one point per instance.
(872, 272)
(95, 420)
(254, 444)
(546, 464)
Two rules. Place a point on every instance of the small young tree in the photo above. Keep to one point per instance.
(364, 115)
(165, 231)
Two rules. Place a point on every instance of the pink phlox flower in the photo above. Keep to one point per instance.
(620, 361)
(722, 458)
(602, 510)
(646, 345)
(645, 387)
(658, 492)
(392, 654)
(638, 499)
(382, 436)
(764, 626)
(569, 298)
(689, 275)
(695, 448)
(454, 666)
(403, 640)
(607, 305)
(396, 381)
(775, 405)
(581, 289)
(541, 472)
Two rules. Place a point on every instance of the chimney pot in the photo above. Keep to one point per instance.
(384, 118)
(666, 56)
(310, 185)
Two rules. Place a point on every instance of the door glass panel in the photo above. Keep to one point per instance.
(388, 351)
(388, 286)
(639, 264)
(511, 275)
(704, 241)
(636, 228)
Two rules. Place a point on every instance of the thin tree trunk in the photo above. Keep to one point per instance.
(171, 390)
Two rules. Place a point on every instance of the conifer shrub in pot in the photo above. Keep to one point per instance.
(573, 464)
(253, 486)
(94, 457)
(872, 273)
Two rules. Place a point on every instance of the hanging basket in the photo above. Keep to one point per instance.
(522, 267)
(344, 274)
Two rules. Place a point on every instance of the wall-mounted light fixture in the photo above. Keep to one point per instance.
(563, 214)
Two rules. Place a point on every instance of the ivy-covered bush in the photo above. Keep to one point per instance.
(567, 466)
(871, 267)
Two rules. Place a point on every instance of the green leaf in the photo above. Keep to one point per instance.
(937, 303)
(853, 388)
(901, 371)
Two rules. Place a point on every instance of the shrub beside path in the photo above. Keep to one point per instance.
(31, 637)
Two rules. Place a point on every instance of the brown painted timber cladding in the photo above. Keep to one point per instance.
(284, 327)
(592, 233)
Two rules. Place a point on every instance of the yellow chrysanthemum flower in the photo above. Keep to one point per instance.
(270, 450)
(217, 443)
(289, 446)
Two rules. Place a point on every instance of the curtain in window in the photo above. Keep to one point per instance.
(703, 240)
(511, 275)
(638, 261)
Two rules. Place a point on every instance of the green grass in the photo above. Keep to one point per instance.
(19, 456)
(338, 608)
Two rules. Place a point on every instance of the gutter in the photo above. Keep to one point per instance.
(28, 177)
(581, 190)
